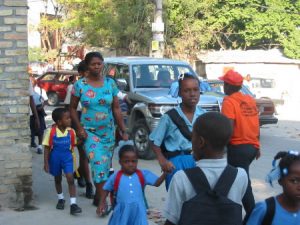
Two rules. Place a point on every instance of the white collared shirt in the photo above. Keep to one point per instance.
(181, 189)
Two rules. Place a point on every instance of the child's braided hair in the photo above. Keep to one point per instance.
(286, 160)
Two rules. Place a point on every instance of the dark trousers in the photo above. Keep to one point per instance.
(33, 131)
(242, 156)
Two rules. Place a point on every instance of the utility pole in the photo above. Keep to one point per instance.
(158, 27)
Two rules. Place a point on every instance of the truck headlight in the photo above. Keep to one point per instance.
(158, 110)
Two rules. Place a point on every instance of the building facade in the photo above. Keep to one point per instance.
(272, 74)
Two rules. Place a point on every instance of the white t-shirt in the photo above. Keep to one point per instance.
(39, 96)
(67, 100)
(69, 93)
(181, 189)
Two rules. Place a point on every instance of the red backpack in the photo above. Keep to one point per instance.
(53, 132)
(117, 183)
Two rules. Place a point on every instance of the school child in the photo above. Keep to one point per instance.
(171, 139)
(40, 100)
(59, 142)
(128, 185)
(212, 192)
(285, 207)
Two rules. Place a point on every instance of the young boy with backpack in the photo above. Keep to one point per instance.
(59, 143)
(212, 192)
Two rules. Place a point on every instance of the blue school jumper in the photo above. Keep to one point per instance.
(61, 156)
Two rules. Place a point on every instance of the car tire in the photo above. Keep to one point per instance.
(140, 136)
(52, 98)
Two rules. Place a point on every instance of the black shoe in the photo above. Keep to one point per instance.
(60, 204)
(33, 145)
(81, 182)
(89, 192)
(74, 209)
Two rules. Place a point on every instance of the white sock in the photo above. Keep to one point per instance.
(40, 146)
(60, 196)
(72, 200)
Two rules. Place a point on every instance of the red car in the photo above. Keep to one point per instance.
(55, 84)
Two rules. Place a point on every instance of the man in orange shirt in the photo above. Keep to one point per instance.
(244, 144)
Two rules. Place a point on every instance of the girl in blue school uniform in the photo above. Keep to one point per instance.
(285, 207)
(172, 148)
(129, 206)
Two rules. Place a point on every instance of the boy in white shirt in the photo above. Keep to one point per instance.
(211, 133)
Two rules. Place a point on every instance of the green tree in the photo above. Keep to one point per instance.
(35, 54)
(122, 24)
(232, 24)
(191, 25)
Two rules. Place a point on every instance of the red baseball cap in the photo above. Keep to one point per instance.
(232, 77)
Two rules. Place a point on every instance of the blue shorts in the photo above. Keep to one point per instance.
(60, 161)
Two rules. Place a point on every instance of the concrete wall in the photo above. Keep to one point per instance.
(15, 157)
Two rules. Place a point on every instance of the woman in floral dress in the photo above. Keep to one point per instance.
(100, 108)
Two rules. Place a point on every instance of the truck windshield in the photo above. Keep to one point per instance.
(157, 75)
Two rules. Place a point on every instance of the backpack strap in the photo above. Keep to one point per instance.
(268, 218)
(180, 123)
(73, 144)
(226, 180)
(52, 134)
(117, 181)
(141, 178)
(197, 179)
(118, 178)
(72, 136)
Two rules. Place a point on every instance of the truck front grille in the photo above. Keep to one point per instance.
(211, 108)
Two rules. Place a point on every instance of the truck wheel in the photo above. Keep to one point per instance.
(52, 98)
(140, 136)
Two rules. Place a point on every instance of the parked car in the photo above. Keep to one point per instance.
(267, 88)
(55, 84)
(265, 106)
(147, 82)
